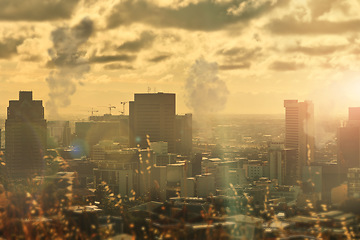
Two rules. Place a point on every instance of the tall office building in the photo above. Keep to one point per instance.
(349, 141)
(299, 135)
(152, 118)
(183, 134)
(25, 136)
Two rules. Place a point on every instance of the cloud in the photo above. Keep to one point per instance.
(160, 58)
(317, 51)
(240, 53)
(205, 15)
(36, 10)
(289, 25)
(321, 7)
(8, 47)
(238, 57)
(145, 40)
(235, 66)
(31, 50)
(112, 58)
(116, 66)
(286, 66)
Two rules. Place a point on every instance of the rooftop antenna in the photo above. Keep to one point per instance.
(149, 89)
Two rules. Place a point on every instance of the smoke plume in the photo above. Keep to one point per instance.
(205, 91)
(68, 63)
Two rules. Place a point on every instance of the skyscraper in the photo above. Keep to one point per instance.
(152, 118)
(25, 136)
(349, 141)
(299, 134)
(183, 134)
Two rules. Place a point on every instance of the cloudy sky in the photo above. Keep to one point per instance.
(230, 56)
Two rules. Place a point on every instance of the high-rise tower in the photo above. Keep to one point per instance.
(299, 134)
(349, 141)
(152, 118)
(25, 136)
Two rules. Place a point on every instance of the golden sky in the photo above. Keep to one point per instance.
(230, 56)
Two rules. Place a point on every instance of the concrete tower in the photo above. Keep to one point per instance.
(25, 136)
(349, 141)
(299, 134)
(152, 118)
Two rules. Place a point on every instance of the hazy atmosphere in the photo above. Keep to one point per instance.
(180, 119)
(244, 57)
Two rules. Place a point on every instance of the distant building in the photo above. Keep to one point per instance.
(158, 182)
(299, 133)
(196, 164)
(291, 157)
(349, 141)
(98, 151)
(313, 176)
(165, 159)
(25, 139)
(255, 169)
(339, 194)
(277, 163)
(188, 187)
(322, 177)
(175, 174)
(205, 185)
(123, 172)
(152, 118)
(183, 134)
(107, 127)
(290, 193)
(59, 132)
(354, 183)
(159, 148)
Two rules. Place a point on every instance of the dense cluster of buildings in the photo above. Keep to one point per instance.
(149, 155)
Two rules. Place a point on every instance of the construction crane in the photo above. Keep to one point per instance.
(110, 107)
(92, 111)
(123, 104)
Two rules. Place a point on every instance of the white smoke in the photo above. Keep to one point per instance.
(205, 91)
(68, 62)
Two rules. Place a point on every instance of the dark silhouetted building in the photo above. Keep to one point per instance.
(152, 118)
(349, 141)
(25, 136)
(196, 164)
(323, 177)
(299, 134)
(291, 158)
(183, 127)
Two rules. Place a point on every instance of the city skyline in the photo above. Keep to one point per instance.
(180, 119)
(254, 53)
